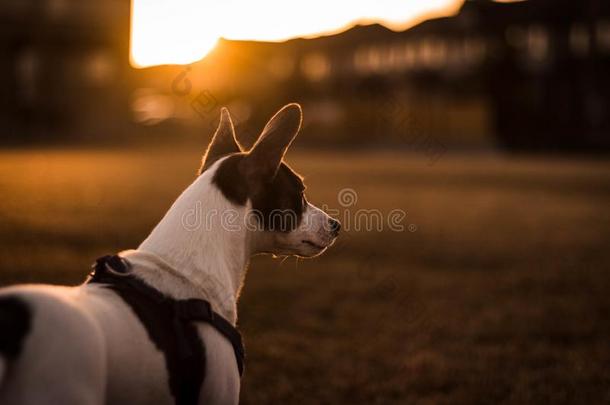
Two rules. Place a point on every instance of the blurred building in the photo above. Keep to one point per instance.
(524, 75)
(64, 66)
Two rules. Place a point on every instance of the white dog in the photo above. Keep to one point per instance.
(156, 324)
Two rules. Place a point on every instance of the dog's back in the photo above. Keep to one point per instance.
(76, 345)
(48, 342)
(83, 345)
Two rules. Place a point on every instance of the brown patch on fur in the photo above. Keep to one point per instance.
(275, 190)
(278, 202)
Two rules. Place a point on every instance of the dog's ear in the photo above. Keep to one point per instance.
(266, 155)
(223, 143)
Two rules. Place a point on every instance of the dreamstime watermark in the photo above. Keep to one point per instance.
(204, 103)
(367, 219)
(200, 217)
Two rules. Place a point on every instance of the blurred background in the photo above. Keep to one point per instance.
(487, 122)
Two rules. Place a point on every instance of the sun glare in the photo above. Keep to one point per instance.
(171, 32)
(184, 31)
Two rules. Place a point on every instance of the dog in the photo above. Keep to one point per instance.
(92, 344)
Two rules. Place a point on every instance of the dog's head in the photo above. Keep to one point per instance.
(282, 220)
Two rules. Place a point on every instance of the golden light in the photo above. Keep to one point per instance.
(184, 31)
(171, 32)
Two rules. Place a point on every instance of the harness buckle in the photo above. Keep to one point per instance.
(112, 264)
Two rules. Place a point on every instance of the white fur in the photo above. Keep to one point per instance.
(86, 346)
(211, 257)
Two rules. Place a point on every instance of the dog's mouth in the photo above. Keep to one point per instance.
(314, 245)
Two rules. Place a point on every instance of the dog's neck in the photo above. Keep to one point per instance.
(203, 238)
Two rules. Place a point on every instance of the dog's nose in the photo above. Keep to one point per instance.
(335, 226)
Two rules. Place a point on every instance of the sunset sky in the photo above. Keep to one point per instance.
(184, 31)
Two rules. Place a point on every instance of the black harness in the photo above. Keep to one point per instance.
(170, 324)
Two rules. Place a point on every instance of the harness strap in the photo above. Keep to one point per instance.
(114, 271)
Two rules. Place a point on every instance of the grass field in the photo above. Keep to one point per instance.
(498, 293)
